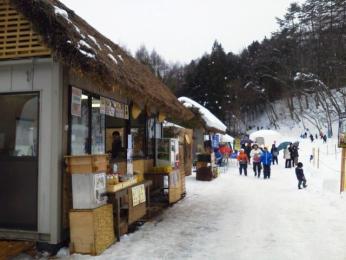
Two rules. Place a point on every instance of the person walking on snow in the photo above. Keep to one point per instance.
(247, 150)
(243, 160)
(294, 155)
(266, 159)
(300, 175)
(287, 156)
(311, 137)
(275, 152)
(256, 160)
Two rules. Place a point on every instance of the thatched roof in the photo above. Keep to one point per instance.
(203, 117)
(82, 48)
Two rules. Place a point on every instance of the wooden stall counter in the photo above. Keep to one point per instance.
(129, 205)
(173, 190)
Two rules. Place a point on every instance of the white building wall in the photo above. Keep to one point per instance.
(44, 76)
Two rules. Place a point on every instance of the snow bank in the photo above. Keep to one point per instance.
(209, 119)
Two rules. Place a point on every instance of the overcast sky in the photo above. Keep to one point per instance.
(182, 30)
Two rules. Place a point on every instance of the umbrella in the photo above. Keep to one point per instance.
(283, 145)
(296, 143)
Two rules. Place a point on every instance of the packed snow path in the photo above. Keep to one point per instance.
(238, 217)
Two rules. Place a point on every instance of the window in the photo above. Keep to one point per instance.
(80, 128)
(151, 136)
(98, 128)
(19, 125)
(138, 133)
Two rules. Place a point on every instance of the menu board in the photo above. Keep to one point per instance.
(114, 108)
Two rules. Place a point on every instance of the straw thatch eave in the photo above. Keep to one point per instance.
(80, 47)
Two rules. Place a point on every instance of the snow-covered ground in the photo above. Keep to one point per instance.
(238, 217)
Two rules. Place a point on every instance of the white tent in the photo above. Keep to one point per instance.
(227, 138)
(268, 137)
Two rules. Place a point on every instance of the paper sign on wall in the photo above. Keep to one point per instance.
(76, 102)
(102, 105)
(138, 195)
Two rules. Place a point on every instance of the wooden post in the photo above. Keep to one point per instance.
(342, 176)
(314, 157)
(318, 158)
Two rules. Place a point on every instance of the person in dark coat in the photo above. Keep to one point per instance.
(247, 150)
(275, 152)
(300, 176)
(311, 137)
(294, 155)
(266, 159)
(116, 144)
(324, 138)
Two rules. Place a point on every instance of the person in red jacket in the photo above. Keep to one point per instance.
(243, 160)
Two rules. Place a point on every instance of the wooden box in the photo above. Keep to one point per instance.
(86, 163)
(91, 231)
(204, 174)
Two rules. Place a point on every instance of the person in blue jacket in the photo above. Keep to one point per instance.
(266, 159)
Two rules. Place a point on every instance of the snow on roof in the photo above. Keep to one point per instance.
(209, 119)
(112, 57)
(62, 12)
(95, 41)
(169, 124)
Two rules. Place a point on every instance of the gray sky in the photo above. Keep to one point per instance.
(181, 30)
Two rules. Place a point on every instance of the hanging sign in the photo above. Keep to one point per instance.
(113, 108)
(102, 105)
(76, 102)
(342, 131)
(108, 106)
(126, 114)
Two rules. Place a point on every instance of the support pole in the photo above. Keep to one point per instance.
(313, 156)
(318, 158)
(343, 164)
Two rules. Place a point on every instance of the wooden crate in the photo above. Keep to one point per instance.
(17, 37)
(86, 163)
(91, 231)
(204, 174)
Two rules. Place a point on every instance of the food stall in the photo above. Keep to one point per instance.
(67, 92)
(206, 128)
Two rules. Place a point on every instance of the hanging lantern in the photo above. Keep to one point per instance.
(135, 111)
(162, 117)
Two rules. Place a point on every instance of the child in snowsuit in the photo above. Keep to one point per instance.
(266, 159)
(243, 160)
(300, 175)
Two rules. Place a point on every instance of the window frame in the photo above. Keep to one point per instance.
(38, 94)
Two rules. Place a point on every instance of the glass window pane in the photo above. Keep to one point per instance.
(151, 136)
(138, 134)
(19, 125)
(80, 129)
(98, 128)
